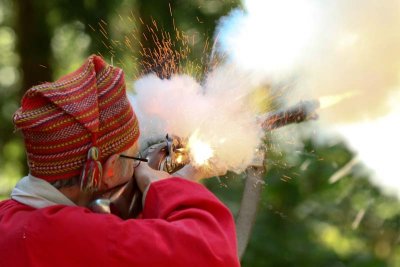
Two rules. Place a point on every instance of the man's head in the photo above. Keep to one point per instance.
(62, 121)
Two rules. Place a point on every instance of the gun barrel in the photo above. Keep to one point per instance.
(302, 111)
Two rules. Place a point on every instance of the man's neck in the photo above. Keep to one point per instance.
(75, 194)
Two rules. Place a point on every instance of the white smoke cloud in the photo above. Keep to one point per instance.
(376, 143)
(356, 49)
(339, 47)
(217, 112)
(269, 37)
(327, 48)
(330, 47)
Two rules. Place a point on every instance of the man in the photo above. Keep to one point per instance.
(75, 131)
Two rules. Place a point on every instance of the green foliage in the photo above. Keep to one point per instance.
(304, 220)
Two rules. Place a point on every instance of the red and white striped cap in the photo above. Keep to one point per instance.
(62, 120)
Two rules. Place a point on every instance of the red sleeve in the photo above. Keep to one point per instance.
(183, 225)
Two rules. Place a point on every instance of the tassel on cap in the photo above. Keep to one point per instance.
(92, 172)
(56, 118)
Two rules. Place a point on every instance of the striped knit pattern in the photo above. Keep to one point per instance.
(62, 120)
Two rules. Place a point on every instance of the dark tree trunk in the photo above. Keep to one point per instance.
(33, 43)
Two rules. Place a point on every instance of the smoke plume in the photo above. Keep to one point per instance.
(217, 112)
(329, 47)
(346, 49)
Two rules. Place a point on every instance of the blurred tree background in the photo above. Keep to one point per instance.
(305, 217)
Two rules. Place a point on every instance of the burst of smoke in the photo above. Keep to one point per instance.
(377, 144)
(218, 112)
(341, 48)
(330, 47)
(268, 37)
(353, 50)
(357, 49)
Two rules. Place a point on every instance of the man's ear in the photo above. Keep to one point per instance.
(108, 168)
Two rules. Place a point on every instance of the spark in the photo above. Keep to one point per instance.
(329, 101)
(345, 170)
(170, 9)
(377, 145)
(358, 219)
(160, 52)
(91, 27)
(200, 151)
(179, 159)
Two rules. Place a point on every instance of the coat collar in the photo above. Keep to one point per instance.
(38, 193)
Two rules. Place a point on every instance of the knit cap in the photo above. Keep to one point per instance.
(62, 121)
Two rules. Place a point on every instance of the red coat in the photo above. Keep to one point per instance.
(183, 225)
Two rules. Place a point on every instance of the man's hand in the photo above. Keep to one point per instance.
(194, 173)
(145, 175)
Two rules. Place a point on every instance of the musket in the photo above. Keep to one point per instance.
(126, 201)
(302, 111)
